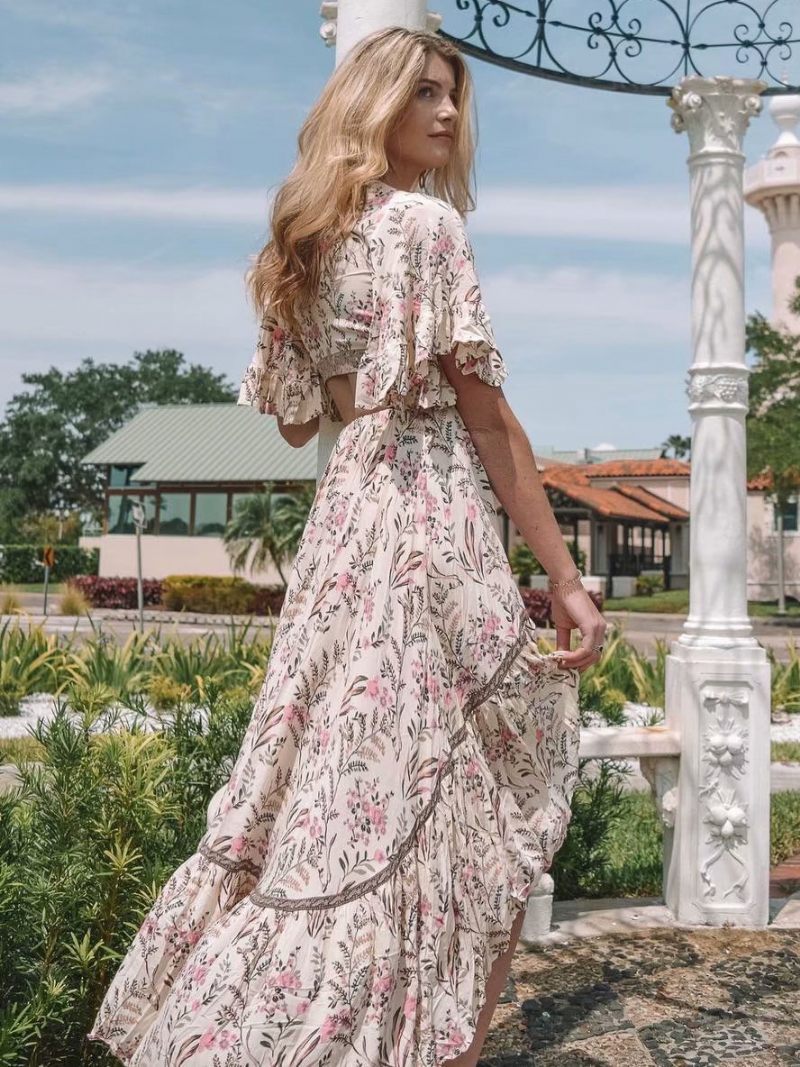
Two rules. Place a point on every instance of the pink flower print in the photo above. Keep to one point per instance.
(226, 1039)
(460, 263)
(324, 738)
(278, 334)
(539, 733)
(469, 870)
(207, 1040)
(193, 936)
(340, 517)
(472, 511)
(238, 844)
(454, 1043)
(369, 605)
(344, 580)
(390, 452)
(422, 480)
(195, 1004)
(379, 855)
(491, 623)
(200, 973)
(302, 1007)
(410, 1006)
(373, 685)
(472, 767)
(433, 685)
(447, 512)
(424, 906)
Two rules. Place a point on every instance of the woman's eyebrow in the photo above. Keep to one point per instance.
(434, 81)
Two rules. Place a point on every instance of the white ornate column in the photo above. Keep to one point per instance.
(718, 676)
(345, 23)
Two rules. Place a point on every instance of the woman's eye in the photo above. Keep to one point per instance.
(426, 89)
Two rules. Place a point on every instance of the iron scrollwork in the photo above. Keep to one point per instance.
(547, 38)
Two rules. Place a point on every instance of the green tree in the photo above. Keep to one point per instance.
(267, 528)
(773, 423)
(678, 445)
(63, 415)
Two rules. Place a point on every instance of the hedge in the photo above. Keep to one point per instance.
(20, 563)
(117, 592)
(220, 595)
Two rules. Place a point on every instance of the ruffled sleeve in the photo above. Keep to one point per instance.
(426, 302)
(281, 378)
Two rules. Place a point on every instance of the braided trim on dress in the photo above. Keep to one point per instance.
(223, 860)
(362, 888)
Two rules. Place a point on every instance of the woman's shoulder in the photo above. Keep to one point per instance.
(388, 206)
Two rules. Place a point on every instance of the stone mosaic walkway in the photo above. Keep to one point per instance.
(663, 997)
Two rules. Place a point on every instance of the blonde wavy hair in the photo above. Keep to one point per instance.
(342, 147)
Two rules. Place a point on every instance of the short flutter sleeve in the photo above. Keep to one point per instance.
(426, 302)
(282, 379)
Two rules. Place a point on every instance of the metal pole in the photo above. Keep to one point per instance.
(46, 581)
(139, 521)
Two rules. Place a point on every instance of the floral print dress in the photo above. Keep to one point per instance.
(407, 772)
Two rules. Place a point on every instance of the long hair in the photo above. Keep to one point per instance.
(341, 148)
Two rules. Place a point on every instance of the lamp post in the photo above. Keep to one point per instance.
(139, 522)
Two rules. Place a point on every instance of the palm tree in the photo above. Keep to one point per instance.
(266, 529)
(679, 445)
(291, 513)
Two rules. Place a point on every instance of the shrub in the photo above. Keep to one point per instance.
(73, 601)
(523, 563)
(537, 602)
(190, 592)
(221, 595)
(268, 599)
(21, 563)
(647, 584)
(117, 592)
(10, 603)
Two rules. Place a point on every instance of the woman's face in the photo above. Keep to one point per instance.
(423, 139)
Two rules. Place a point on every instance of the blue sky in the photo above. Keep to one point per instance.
(139, 143)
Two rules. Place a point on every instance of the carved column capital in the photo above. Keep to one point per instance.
(329, 11)
(715, 112)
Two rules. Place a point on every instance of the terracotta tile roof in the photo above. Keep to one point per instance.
(654, 501)
(638, 468)
(607, 501)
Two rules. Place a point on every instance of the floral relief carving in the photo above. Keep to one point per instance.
(724, 756)
(727, 821)
(724, 388)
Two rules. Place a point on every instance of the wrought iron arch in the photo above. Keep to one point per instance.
(545, 37)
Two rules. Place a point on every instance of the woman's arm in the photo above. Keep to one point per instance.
(507, 457)
(298, 434)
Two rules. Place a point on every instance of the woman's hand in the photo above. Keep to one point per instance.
(577, 610)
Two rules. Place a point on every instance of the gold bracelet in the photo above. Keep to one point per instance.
(565, 585)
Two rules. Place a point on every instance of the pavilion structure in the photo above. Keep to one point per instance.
(714, 786)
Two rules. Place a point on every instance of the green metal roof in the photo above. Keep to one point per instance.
(206, 443)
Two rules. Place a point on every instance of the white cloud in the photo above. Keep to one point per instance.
(51, 92)
(577, 305)
(130, 202)
(90, 305)
(631, 214)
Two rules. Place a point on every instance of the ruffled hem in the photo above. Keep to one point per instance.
(398, 973)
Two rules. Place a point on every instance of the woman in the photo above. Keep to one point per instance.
(406, 776)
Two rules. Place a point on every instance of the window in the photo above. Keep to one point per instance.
(174, 513)
(120, 513)
(119, 477)
(209, 514)
(790, 516)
